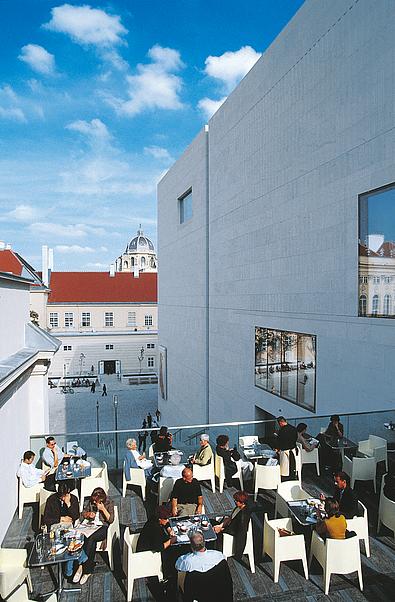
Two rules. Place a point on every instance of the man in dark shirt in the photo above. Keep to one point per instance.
(286, 436)
(61, 507)
(344, 495)
(186, 497)
(155, 536)
(163, 441)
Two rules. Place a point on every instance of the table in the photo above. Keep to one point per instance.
(194, 523)
(161, 459)
(303, 512)
(258, 450)
(47, 559)
(72, 471)
(341, 443)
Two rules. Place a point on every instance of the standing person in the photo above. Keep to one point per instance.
(100, 508)
(205, 454)
(93, 387)
(144, 425)
(104, 394)
(287, 436)
(149, 420)
(158, 415)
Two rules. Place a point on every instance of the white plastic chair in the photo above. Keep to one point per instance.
(298, 463)
(310, 457)
(340, 556)
(113, 533)
(27, 495)
(205, 473)
(151, 451)
(386, 511)
(43, 496)
(139, 564)
(360, 469)
(289, 491)
(360, 525)
(98, 478)
(13, 570)
(281, 549)
(22, 595)
(220, 473)
(375, 447)
(165, 488)
(137, 477)
(229, 544)
(249, 440)
(266, 477)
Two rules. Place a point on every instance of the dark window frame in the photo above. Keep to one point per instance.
(181, 209)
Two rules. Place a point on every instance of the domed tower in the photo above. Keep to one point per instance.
(139, 254)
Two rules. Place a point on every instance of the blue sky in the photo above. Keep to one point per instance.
(97, 100)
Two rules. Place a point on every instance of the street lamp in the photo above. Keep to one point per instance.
(115, 402)
(141, 357)
(97, 422)
(82, 357)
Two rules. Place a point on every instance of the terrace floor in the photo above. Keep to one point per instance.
(378, 570)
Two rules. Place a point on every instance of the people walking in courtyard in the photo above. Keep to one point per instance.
(158, 415)
(142, 436)
(144, 425)
(149, 420)
(104, 394)
(93, 387)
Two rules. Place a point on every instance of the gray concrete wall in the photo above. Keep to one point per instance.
(310, 128)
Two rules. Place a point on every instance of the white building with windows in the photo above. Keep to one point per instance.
(139, 255)
(279, 309)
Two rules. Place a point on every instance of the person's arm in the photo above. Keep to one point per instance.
(199, 507)
(321, 528)
(106, 511)
(235, 455)
(174, 506)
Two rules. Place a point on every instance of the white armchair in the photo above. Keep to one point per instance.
(220, 473)
(340, 556)
(386, 511)
(228, 546)
(137, 477)
(22, 595)
(360, 525)
(281, 549)
(139, 564)
(27, 495)
(166, 485)
(205, 473)
(310, 457)
(289, 491)
(98, 478)
(13, 570)
(249, 440)
(266, 477)
(113, 533)
(360, 469)
(375, 447)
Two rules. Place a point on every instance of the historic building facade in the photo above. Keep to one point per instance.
(139, 255)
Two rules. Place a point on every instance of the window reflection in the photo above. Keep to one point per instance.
(377, 252)
(285, 365)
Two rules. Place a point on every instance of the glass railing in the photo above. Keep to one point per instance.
(109, 446)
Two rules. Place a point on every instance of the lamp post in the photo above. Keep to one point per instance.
(115, 402)
(82, 357)
(97, 422)
(140, 357)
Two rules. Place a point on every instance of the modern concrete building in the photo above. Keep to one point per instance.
(261, 222)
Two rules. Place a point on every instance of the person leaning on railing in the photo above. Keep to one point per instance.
(204, 455)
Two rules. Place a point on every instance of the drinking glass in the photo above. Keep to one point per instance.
(39, 547)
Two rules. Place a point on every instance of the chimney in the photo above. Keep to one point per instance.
(45, 267)
(136, 272)
(112, 270)
(50, 260)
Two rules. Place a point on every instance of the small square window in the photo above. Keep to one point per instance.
(67, 348)
(147, 320)
(110, 346)
(150, 345)
(185, 206)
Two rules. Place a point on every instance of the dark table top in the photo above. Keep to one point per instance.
(162, 459)
(191, 522)
(341, 443)
(303, 513)
(75, 471)
(258, 450)
(46, 558)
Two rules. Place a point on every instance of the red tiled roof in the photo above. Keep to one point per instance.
(9, 262)
(100, 287)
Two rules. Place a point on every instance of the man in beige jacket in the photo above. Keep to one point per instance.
(204, 455)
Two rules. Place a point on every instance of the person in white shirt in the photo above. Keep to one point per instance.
(52, 454)
(133, 459)
(29, 474)
(200, 559)
(174, 468)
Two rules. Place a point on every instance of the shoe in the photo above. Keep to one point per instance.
(78, 574)
(85, 578)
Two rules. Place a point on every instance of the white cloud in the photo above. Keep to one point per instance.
(38, 59)
(54, 230)
(87, 25)
(73, 249)
(10, 105)
(231, 67)
(210, 106)
(23, 213)
(94, 129)
(154, 85)
(158, 152)
(14, 114)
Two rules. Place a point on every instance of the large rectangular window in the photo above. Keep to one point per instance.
(86, 318)
(108, 318)
(131, 318)
(148, 320)
(185, 206)
(377, 253)
(285, 365)
(53, 319)
(68, 319)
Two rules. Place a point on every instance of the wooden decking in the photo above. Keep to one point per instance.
(105, 586)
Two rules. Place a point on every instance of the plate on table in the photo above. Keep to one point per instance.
(60, 548)
(75, 546)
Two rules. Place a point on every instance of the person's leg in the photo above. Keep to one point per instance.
(90, 548)
(49, 483)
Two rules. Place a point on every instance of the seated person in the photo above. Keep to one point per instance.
(163, 440)
(303, 439)
(208, 578)
(133, 459)
(344, 495)
(30, 475)
(230, 457)
(174, 468)
(100, 508)
(335, 429)
(335, 526)
(52, 454)
(156, 536)
(204, 455)
(389, 485)
(61, 507)
(186, 497)
(237, 523)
